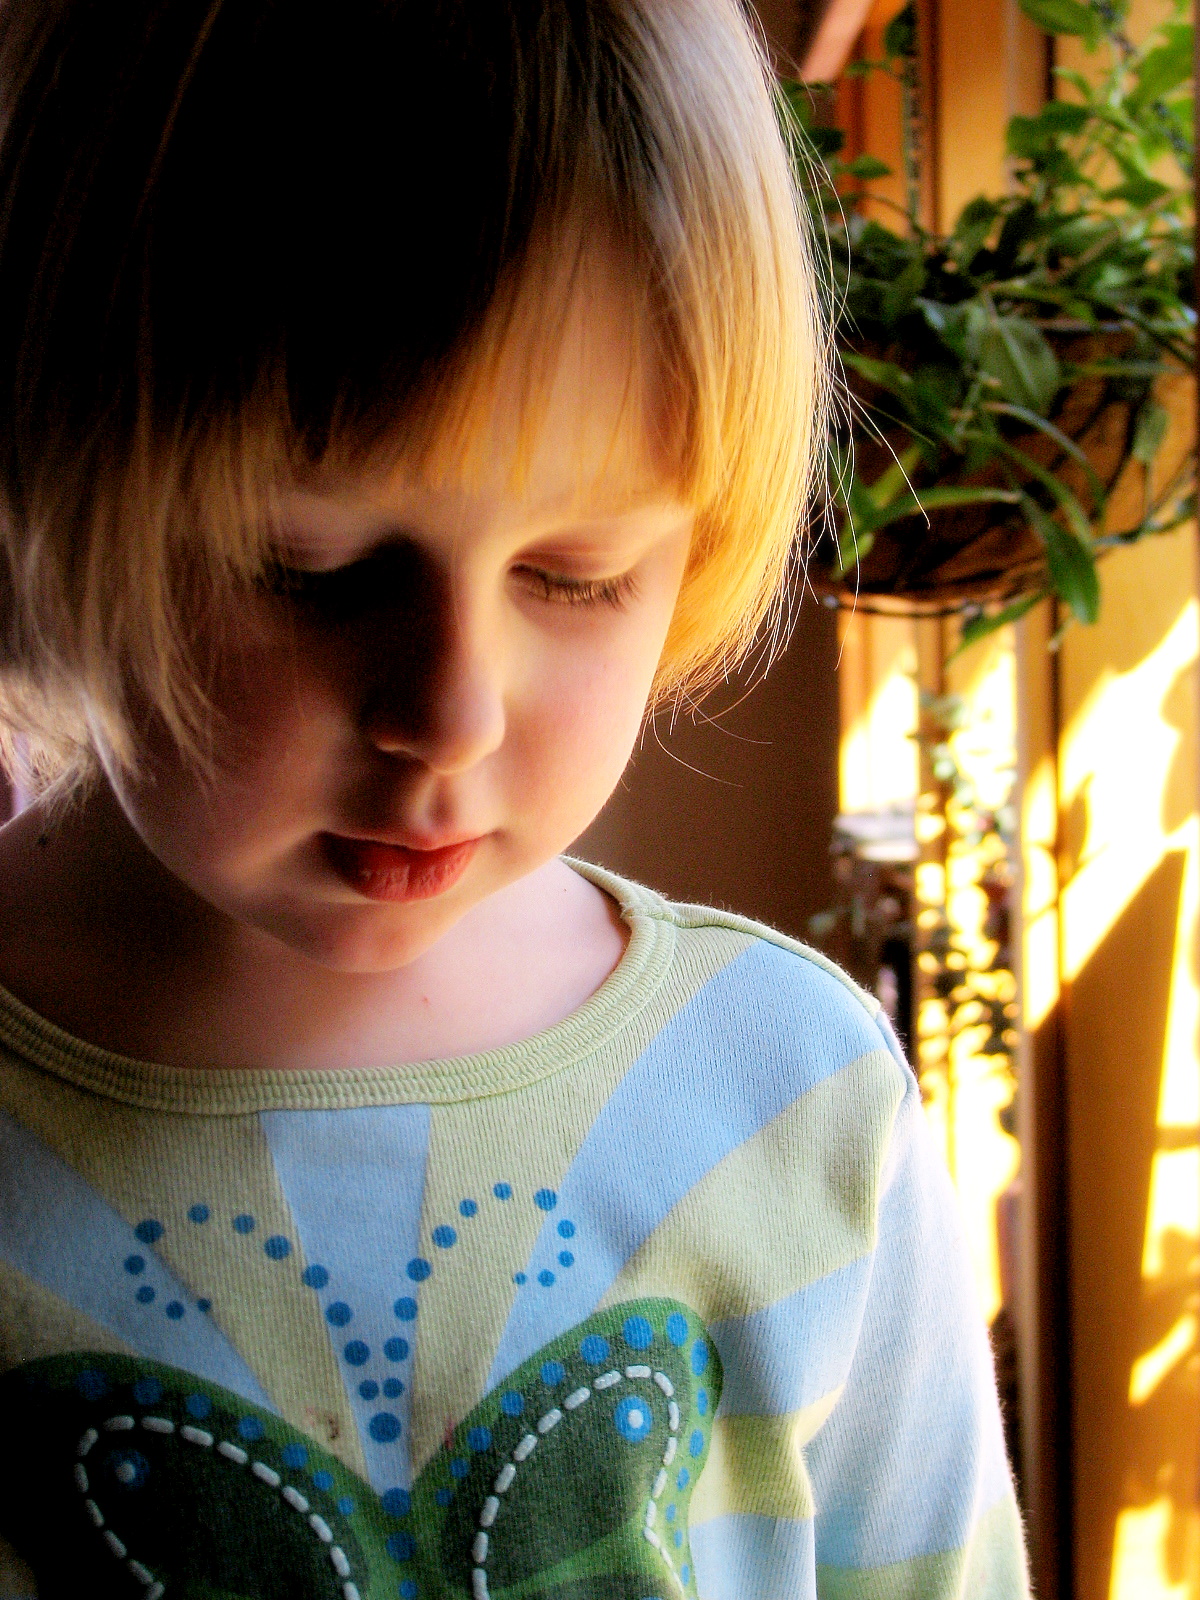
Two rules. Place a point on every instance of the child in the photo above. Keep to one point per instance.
(398, 395)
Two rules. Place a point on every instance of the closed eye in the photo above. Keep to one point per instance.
(557, 589)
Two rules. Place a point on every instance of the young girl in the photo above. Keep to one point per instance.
(398, 395)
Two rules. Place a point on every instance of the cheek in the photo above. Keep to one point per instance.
(573, 733)
(269, 727)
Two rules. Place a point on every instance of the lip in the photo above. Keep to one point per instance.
(395, 873)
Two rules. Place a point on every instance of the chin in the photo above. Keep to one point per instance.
(350, 939)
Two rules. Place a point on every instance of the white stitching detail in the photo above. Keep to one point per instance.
(526, 1445)
(232, 1452)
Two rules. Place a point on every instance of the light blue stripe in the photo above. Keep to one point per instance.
(747, 1557)
(796, 1351)
(59, 1231)
(354, 1182)
(768, 1027)
(913, 1452)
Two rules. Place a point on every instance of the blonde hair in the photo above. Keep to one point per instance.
(228, 260)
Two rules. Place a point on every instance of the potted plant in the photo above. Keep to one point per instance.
(1002, 378)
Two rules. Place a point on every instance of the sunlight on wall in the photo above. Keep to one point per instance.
(984, 1158)
(1117, 756)
(878, 690)
(1128, 798)
(964, 1090)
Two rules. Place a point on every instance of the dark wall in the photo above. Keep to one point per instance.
(735, 807)
(790, 26)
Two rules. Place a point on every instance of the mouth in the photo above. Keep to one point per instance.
(396, 873)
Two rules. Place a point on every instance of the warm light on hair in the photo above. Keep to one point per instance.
(245, 244)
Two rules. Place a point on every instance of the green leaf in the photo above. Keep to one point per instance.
(1063, 16)
(1140, 191)
(1016, 354)
(939, 498)
(1070, 563)
(867, 167)
(1062, 493)
(900, 295)
(987, 622)
(1166, 67)
(900, 35)
(1061, 439)
(1150, 431)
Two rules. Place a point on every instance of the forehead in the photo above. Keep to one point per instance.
(559, 416)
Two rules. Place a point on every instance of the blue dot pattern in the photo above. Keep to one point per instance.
(135, 1264)
(408, 1590)
(396, 1502)
(467, 1208)
(147, 1391)
(277, 1247)
(315, 1277)
(294, 1456)
(444, 1236)
(479, 1439)
(392, 1388)
(401, 1546)
(250, 1428)
(677, 1329)
(198, 1406)
(338, 1314)
(594, 1349)
(695, 1443)
(702, 1402)
(637, 1333)
(699, 1356)
(418, 1269)
(519, 1278)
(91, 1384)
(369, 1389)
(565, 1258)
(552, 1373)
(145, 1294)
(566, 1229)
(459, 1467)
(199, 1213)
(396, 1349)
(243, 1223)
(405, 1308)
(545, 1277)
(357, 1353)
(511, 1403)
(502, 1191)
(633, 1418)
(384, 1427)
(323, 1479)
(175, 1309)
(346, 1505)
(444, 1497)
(149, 1231)
(545, 1199)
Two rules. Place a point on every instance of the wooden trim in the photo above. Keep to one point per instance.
(1044, 1304)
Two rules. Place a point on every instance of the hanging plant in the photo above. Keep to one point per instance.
(1002, 378)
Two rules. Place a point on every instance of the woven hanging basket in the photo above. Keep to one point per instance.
(961, 557)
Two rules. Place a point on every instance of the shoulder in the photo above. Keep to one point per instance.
(782, 1010)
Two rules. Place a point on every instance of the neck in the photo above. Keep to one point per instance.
(100, 938)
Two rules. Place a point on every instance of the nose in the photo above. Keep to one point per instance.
(446, 710)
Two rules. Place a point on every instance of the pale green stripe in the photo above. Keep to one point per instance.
(721, 1249)
(991, 1568)
(756, 1465)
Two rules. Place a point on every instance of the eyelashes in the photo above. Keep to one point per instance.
(557, 590)
(340, 593)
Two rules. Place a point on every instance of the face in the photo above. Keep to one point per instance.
(444, 682)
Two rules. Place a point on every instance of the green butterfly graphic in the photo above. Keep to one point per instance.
(572, 1480)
